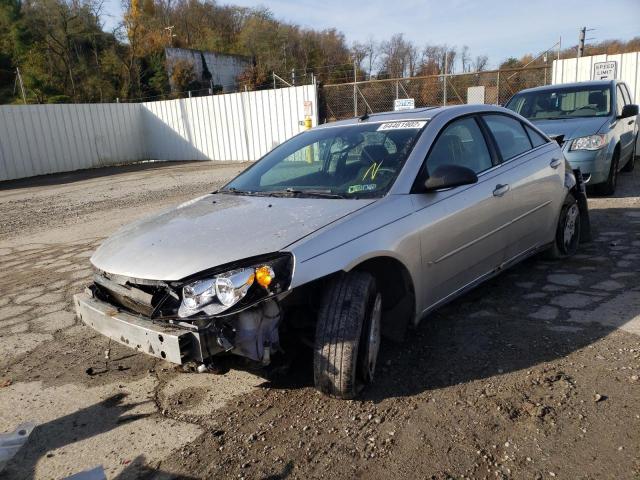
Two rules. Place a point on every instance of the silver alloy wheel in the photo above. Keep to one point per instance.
(570, 225)
(373, 339)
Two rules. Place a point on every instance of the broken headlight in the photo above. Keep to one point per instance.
(238, 286)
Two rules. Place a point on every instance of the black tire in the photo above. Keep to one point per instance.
(609, 187)
(349, 316)
(565, 243)
(631, 163)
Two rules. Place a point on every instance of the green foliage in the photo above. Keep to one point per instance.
(64, 55)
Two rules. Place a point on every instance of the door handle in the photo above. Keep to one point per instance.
(555, 163)
(500, 190)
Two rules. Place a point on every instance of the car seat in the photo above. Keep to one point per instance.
(598, 99)
(371, 154)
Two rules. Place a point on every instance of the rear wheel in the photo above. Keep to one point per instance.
(348, 335)
(568, 230)
(609, 187)
(631, 163)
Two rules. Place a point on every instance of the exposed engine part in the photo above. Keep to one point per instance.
(202, 368)
(256, 332)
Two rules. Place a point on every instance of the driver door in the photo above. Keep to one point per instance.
(462, 229)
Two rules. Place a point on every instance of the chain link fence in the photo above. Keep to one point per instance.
(347, 100)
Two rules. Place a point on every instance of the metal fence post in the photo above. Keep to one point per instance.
(444, 81)
(498, 89)
(355, 90)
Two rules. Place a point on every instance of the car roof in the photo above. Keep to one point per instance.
(425, 113)
(556, 86)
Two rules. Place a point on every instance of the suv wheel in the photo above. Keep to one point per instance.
(609, 187)
(347, 335)
(567, 237)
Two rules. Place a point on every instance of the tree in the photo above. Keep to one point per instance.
(480, 63)
(399, 57)
(465, 59)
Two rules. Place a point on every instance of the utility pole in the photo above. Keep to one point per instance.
(19, 77)
(559, 47)
(581, 37)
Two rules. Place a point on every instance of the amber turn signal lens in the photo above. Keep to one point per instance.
(264, 275)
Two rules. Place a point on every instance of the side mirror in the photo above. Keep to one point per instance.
(629, 111)
(559, 139)
(449, 176)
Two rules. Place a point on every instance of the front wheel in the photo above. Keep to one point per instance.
(609, 187)
(348, 335)
(567, 236)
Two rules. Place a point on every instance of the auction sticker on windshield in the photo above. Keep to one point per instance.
(401, 125)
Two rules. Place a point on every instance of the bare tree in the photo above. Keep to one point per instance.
(359, 52)
(413, 60)
(397, 56)
(373, 51)
(465, 59)
(480, 63)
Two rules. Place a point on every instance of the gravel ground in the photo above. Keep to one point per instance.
(533, 375)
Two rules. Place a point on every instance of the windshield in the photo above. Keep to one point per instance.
(562, 103)
(352, 161)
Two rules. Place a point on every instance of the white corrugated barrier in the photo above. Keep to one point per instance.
(582, 69)
(41, 139)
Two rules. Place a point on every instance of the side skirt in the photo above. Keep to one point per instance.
(481, 279)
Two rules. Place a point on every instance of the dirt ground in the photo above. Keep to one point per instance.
(533, 375)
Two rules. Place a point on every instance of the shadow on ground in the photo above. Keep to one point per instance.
(490, 330)
(85, 423)
(88, 174)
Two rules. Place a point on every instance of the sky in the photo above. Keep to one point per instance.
(497, 28)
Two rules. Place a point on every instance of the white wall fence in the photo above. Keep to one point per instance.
(582, 69)
(42, 139)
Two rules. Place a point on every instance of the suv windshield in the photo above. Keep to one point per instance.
(351, 161)
(562, 103)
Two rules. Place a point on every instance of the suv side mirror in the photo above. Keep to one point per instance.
(629, 111)
(449, 176)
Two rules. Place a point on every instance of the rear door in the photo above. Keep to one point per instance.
(627, 125)
(461, 229)
(533, 169)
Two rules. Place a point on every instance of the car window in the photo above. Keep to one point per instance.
(627, 95)
(619, 101)
(509, 134)
(535, 137)
(562, 102)
(460, 143)
(350, 161)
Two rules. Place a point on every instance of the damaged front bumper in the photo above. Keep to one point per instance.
(252, 333)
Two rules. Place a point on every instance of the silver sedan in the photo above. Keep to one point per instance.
(343, 233)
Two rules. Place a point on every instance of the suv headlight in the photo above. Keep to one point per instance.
(218, 293)
(591, 142)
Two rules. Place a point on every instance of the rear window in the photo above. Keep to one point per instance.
(509, 134)
(535, 137)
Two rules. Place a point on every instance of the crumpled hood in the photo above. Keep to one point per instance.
(571, 128)
(214, 230)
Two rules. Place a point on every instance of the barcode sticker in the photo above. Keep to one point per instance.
(401, 125)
